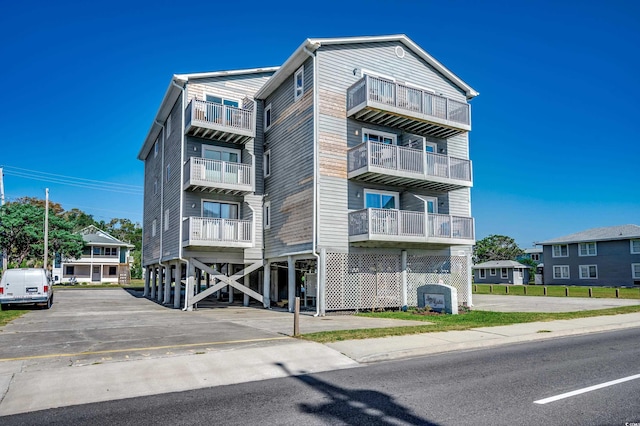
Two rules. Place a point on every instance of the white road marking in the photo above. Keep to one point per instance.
(585, 390)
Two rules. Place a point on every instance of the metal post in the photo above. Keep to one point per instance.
(4, 252)
(296, 318)
(46, 228)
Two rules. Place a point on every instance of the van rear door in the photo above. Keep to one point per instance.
(14, 284)
(33, 282)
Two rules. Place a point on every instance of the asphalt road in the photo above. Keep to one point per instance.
(501, 386)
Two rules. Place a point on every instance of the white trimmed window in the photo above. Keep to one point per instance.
(298, 82)
(492, 272)
(267, 163)
(587, 249)
(155, 187)
(588, 272)
(635, 246)
(561, 272)
(381, 199)
(560, 250)
(155, 149)
(169, 126)
(535, 256)
(504, 273)
(377, 136)
(153, 228)
(482, 273)
(267, 117)
(168, 172)
(166, 220)
(267, 215)
(635, 271)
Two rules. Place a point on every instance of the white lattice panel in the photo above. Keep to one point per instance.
(450, 270)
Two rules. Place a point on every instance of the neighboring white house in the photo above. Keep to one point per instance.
(104, 259)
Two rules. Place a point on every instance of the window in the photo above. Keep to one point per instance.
(587, 249)
(166, 220)
(267, 118)
(112, 270)
(298, 80)
(267, 163)
(153, 228)
(535, 256)
(110, 251)
(219, 210)
(504, 273)
(492, 272)
(560, 250)
(267, 215)
(381, 200)
(635, 246)
(482, 273)
(377, 136)
(635, 271)
(588, 272)
(155, 149)
(219, 153)
(168, 172)
(169, 126)
(155, 187)
(69, 270)
(97, 251)
(561, 272)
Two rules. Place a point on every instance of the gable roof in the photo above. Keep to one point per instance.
(92, 235)
(500, 264)
(312, 44)
(172, 94)
(620, 232)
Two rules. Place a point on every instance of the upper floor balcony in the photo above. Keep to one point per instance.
(387, 103)
(202, 174)
(210, 120)
(401, 226)
(398, 165)
(216, 232)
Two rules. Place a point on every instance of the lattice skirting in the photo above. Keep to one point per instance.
(370, 281)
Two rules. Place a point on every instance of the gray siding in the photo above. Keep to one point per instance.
(289, 188)
(613, 260)
(497, 278)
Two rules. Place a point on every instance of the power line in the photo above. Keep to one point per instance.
(19, 169)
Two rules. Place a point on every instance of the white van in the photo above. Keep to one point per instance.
(25, 285)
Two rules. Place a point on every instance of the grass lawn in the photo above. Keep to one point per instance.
(7, 316)
(556, 291)
(473, 319)
(135, 284)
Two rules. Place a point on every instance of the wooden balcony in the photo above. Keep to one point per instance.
(214, 121)
(375, 226)
(397, 165)
(387, 103)
(223, 177)
(213, 232)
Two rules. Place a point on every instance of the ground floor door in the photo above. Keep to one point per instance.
(517, 276)
(95, 275)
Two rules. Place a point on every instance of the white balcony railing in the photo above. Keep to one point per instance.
(402, 223)
(217, 232)
(218, 114)
(217, 173)
(410, 99)
(408, 160)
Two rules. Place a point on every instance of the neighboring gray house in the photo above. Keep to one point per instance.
(608, 256)
(344, 173)
(534, 253)
(105, 259)
(501, 272)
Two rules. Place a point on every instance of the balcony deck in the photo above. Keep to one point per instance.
(204, 175)
(397, 165)
(225, 123)
(387, 103)
(375, 226)
(213, 232)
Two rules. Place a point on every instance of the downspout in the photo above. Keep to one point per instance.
(315, 178)
(181, 210)
(161, 200)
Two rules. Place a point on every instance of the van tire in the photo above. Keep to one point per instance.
(4, 307)
(49, 303)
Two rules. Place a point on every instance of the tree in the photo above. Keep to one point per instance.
(22, 234)
(496, 247)
(125, 230)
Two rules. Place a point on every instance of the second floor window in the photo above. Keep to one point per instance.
(267, 215)
(587, 249)
(298, 79)
(267, 117)
(635, 246)
(267, 163)
(560, 250)
(381, 200)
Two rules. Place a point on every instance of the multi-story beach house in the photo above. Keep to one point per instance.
(342, 176)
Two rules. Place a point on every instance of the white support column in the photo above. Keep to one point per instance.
(322, 282)
(291, 269)
(404, 278)
(161, 274)
(266, 286)
(147, 281)
(154, 281)
(178, 286)
(167, 285)
(189, 292)
(469, 275)
(245, 281)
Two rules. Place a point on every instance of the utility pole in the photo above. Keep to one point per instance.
(4, 252)
(46, 228)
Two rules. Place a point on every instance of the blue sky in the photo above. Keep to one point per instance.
(554, 144)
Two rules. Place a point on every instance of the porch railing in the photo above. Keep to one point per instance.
(411, 160)
(408, 98)
(222, 115)
(403, 223)
(212, 230)
(218, 172)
